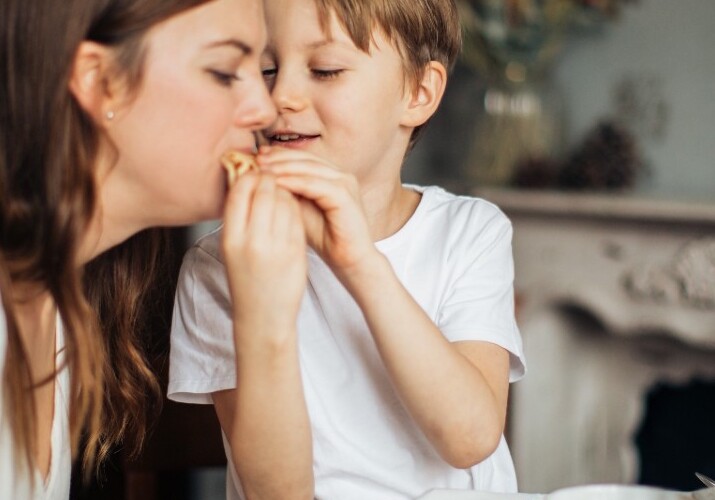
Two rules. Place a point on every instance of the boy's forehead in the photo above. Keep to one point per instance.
(315, 24)
(299, 21)
(294, 18)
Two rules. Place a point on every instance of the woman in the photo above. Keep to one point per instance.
(113, 118)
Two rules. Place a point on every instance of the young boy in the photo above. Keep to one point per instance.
(389, 376)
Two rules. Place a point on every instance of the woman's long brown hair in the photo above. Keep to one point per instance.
(48, 150)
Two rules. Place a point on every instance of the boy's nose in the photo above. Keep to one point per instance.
(288, 96)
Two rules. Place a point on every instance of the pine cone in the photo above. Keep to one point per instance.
(535, 173)
(608, 158)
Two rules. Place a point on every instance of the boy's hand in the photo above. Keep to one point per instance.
(264, 417)
(264, 245)
(333, 217)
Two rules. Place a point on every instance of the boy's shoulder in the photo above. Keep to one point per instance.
(458, 223)
(472, 210)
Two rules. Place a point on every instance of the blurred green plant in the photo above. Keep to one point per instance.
(519, 38)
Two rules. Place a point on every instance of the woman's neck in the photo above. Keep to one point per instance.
(100, 236)
(115, 218)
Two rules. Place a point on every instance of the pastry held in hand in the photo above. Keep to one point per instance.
(236, 164)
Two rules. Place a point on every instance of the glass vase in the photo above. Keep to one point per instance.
(518, 121)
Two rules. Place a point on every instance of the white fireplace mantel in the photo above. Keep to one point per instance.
(639, 265)
(642, 274)
(601, 205)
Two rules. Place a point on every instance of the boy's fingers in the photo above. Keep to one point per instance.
(320, 191)
(263, 204)
(277, 153)
(287, 221)
(237, 210)
(294, 162)
(290, 168)
(293, 168)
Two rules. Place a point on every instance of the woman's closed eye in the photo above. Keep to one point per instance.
(224, 78)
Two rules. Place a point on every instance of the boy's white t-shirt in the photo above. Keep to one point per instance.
(15, 480)
(454, 256)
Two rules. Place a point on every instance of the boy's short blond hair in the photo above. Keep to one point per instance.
(421, 30)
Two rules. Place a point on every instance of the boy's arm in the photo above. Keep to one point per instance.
(265, 418)
(456, 392)
(265, 421)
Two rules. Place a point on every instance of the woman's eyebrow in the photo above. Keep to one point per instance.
(231, 42)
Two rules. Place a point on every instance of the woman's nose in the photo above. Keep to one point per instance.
(258, 111)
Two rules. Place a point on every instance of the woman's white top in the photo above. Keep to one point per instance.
(16, 482)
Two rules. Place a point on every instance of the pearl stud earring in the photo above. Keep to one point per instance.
(110, 115)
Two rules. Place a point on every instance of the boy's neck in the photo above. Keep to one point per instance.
(388, 208)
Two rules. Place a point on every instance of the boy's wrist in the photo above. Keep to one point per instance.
(363, 278)
(267, 337)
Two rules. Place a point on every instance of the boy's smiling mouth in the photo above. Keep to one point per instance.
(288, 138)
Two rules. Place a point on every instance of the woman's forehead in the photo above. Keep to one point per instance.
(211, 24)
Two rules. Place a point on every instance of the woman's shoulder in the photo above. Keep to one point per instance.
(3, 350)
(3, 336)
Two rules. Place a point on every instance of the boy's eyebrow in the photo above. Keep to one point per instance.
(231, 42)
(324, 42)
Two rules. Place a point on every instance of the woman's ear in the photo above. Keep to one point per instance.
(426, 96)
(89, 81)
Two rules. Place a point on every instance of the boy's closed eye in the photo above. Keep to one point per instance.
(269, 73)
(326, 74)
(269, 76)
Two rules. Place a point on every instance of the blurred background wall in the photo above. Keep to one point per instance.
(656, 52)
(667, 47)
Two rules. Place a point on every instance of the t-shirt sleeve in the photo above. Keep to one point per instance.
(480, 302)
(202, 358)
